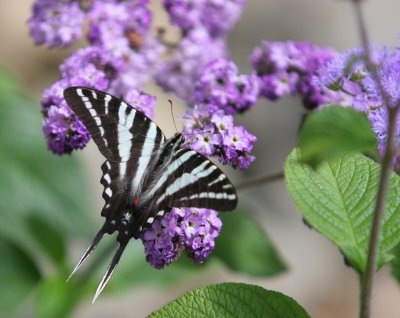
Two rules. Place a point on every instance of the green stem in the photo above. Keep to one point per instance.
(367, 280)
(261, 180)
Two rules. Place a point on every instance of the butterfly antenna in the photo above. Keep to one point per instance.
(172, 112)
(110, 270)
(88, 251)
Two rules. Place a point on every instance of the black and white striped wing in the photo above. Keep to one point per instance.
(113, 190)
(120, 131)
(129, 140)
(191, 180)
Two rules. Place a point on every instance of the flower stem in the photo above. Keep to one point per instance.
(367, 280)
(257, 181)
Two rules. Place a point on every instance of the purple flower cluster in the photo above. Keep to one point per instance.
(141, 101)
(208, 128)
(56, 23)
(92, 67)
(211, 132)
(121, 29)
(220, 84)
(193, 230)
(286, 68)
(63, 130)
(121, 59)
(204, 24)
(348, 74)
(217, 16)
(181, 72)
(123, 56)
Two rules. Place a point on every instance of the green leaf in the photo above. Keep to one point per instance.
(335, 131)
(395, 263)
(56, 298)
(244, 247)
(34, 181)
(19, 275)
(338, 200)
(43, 197)
(232, 300)
(47, 237)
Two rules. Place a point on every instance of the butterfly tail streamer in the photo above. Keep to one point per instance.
(88, 251)
(110, 270)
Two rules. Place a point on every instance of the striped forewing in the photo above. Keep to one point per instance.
(120, 131)
(129, 140)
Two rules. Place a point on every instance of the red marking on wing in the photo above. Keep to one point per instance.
(136, 201)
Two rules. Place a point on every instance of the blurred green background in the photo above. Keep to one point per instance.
(50, 205)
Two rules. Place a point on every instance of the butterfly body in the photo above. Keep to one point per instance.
(145, 175)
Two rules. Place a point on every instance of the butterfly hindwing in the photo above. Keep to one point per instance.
(191, 180)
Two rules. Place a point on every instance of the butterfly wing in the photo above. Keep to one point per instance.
(197, 182)
(119, 130)
(129, 140)
(189, 180)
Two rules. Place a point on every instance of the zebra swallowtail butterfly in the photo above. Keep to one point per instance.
(145, 175)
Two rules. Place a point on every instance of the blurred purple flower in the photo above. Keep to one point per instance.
(92, 67)
(217, 16)
(181, 72)
(56, 23)
(141, 101)
(118, 17)
(121, 29)
(138, 67)
(286, 68)
(220, 84)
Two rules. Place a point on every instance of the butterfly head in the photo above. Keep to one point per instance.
(177, 139)
(174, 143)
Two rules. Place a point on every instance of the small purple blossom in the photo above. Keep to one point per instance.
(92, 67)
(181, 72)
(190, 229)
(139, 66)
(278, 85)
(220, 84)
(217, 16)
(56, 23)
(130, 15)
(53, 95)
(64, 132)
(121, 29)
(141, 101)
(211, 132)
